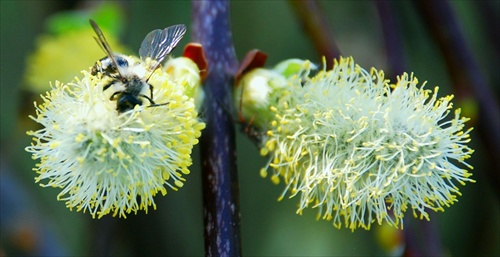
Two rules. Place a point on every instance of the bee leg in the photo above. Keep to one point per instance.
(107, 86)
(149, 99)
(113, 96)
(153, 104)
(151, 90)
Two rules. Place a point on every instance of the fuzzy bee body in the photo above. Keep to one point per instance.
(129, 76)
(129, 86)
(105, 65)
(128, 98)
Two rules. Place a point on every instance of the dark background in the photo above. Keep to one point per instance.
(31, 218)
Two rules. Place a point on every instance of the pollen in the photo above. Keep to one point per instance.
(106, 162)
(80, 137)
(360, 150)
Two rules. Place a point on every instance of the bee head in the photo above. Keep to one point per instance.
(127, 102)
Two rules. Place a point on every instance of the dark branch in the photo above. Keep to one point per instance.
(392, 38)
(219, 176)
(466, 76)
(315, 24)
(421, 237)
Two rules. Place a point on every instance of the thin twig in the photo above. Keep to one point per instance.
(421, 237)
(219, 176)
(316, 25)
(489, 14)
(466, 76)
(392, 38)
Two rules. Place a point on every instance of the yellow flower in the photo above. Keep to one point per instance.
(110, 162)
(60, 57)
(185, 72)
(357, 148)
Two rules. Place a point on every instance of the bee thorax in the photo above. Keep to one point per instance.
(136, 86)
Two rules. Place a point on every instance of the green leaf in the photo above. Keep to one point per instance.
(109, 16)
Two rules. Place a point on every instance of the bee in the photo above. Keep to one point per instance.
(129, 78)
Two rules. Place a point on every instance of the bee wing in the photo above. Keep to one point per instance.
(159, 43)
(101, 41)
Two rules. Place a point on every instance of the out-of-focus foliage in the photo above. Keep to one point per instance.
(470, 227)
(67, 45)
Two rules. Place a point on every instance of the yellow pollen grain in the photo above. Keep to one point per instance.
(79, 138)
(200, 126)
(116, 142)
(121, 155)
(55, 144)
(185, 171)
(178, 183)
(263, 172)
(275, 179)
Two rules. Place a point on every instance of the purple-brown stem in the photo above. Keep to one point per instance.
(392, 38)
(221, 209)
(317, 27)
(421, 237)
(466, 77)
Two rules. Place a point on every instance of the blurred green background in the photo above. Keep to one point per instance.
(32, 221)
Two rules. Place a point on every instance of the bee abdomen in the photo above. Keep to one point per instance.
(107, 67)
